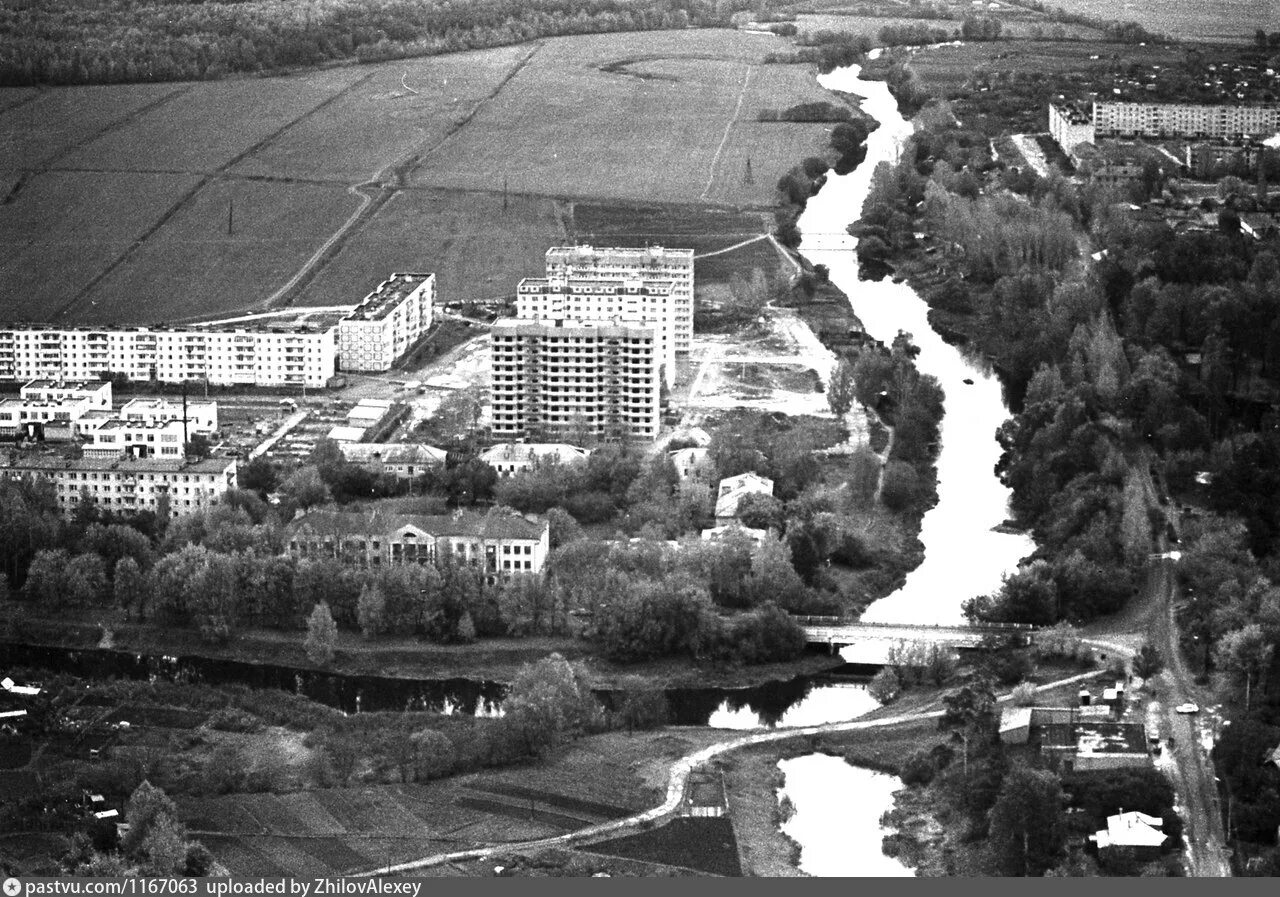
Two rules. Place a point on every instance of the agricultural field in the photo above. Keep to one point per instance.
(633, 116)
(478, 249)
(395, 111)
(64, 228)
(120, 198)
(1222, 21)
(191, 267)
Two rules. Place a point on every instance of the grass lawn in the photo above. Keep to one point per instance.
(1223, 21)
(1013, 23)
(63, 228)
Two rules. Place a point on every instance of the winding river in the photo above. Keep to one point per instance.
(837, 807)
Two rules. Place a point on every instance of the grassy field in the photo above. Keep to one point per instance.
(1013, 23)
(191, 266)
(479, 250)
(397, 110)
(64, 228)
(1224, 21)
(632, 116)
(118, 196)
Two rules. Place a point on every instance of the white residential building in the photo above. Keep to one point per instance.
(386, 323)
(688, 460)
(509, 458)
(565, 377)
(1215, 122)
(201, 416)
(96, 392)
(246, 353)
(644, 302)
(651, 265)
(137, 439)
(130, 485)
(1070, 124)
(34, 419)
(732, 490)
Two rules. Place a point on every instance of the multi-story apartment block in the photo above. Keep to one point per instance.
(1217, 122)
(575, 378)
(259, 354)
(649, 265)
(137, 439)
(499, 544)
(131, 485)
(96, 392)
(386, 323)
(1070, 124)
(646, 302)
(201, 416)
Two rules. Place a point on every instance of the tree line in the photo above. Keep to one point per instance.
(166, 40)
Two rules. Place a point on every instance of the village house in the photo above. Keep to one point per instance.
(401, 460)
(507, 458)
(1133, 831)
(732, 490)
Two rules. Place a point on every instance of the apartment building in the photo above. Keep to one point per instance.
(137, 439)
(386, 323)
(244, 353)
(131, 485)
(1071, 124)
(53, 420)
(500, 544)
(201, 416)
(650, 265)
(646, 302)
(575, 377)
(1215, 122)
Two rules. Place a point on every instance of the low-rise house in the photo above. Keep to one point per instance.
(402, 460)
(1133, 831)
(508, 458)
(200, 416)
(346, 434)
(732, 490)
(137, 439)
(687, 460)
(1084, 738)
(96, 392)
(500, 543)
(717, 533)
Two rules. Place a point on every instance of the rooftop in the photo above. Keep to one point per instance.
(1103, 737)
(393, 452)
(266, 325)
(497, 524)
(78, 385)
(531, 451)
(389, 294)
(616, 329)
(123, 465)
(644, 254)
(578, 285)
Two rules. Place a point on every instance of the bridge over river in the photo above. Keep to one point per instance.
(871, 642)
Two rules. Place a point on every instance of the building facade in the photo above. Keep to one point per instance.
(262, 355)
(386, 323)
(137, 439)
(510, 458)
(200, 416)
(1070, 124)
(499, 544)
(654, 265)
(130, 486)
(1215, 122)
(645, 302)
(566, 378)
(401, 460)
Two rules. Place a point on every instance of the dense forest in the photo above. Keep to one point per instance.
(114, 41)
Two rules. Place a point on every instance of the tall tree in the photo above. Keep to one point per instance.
(1028, 825)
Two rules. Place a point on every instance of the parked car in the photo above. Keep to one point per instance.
(1188, 707)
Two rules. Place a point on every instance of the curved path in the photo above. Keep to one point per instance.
(679, 777)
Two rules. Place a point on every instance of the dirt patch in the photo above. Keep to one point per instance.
(705, 844)
(752, 779)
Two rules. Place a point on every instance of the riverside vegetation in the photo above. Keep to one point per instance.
(1160, 358)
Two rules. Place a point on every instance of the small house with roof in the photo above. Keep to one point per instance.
(1132, 831)
(402, 460)
(732, 490)
(508, 458)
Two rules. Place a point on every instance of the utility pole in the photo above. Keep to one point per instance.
(231, 216)
(747, 176)
(504, 193)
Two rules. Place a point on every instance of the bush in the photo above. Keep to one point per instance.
(1024, 695)
(885, 686)
(233, 719)
(918, 769)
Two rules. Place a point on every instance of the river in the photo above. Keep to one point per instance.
(837, 807)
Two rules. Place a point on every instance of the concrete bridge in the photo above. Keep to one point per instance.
(871, 642)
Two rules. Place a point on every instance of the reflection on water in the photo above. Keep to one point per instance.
(963, 557)
(836, 819)
(822, 704)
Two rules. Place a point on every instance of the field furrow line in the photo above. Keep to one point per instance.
(52, 161)
(22, 102)
(388, 181)
(733, 119)
(186, 197)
